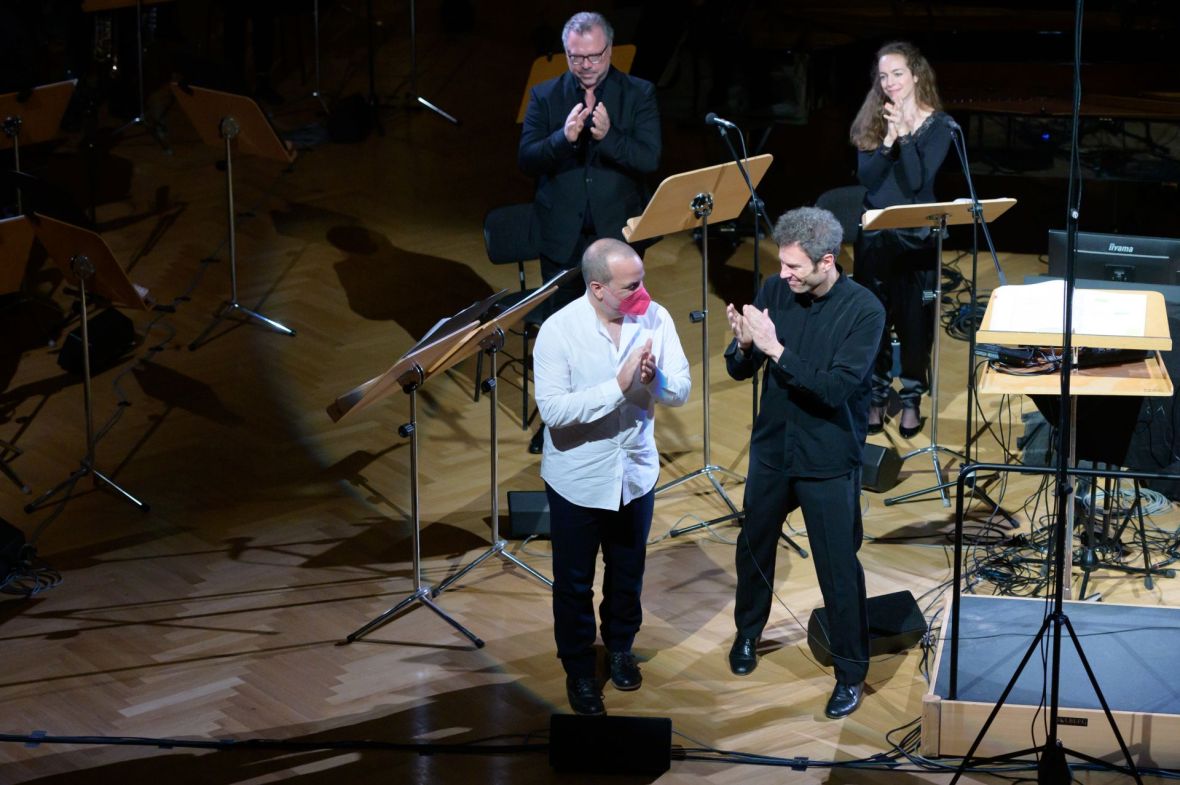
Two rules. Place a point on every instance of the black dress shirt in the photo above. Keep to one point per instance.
(814, 411)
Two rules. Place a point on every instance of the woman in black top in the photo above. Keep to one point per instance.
(902, 136)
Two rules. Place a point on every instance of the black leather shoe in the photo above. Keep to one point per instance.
(743, 656)
(624, 671)
(845, 700)
(908, 432)
(537, 443)
(583, 695)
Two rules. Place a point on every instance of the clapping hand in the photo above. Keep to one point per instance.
(601, 122)
(762, 332)
(741, 330)
(575, 122)
(639, 366)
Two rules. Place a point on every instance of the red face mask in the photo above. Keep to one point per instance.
(635, 304)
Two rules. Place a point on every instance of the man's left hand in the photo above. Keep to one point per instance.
(761, 328)
(601, 122)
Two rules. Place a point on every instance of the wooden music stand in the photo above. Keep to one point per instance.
(937, 216)
(232, 121)
(1142, 378)
(1005, 322)
(551, 65)
(33, 118)
(682, 202)
(490, 339)
(16, 242)
(87, 263)
(442, 348)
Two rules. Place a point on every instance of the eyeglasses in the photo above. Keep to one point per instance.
(594, 59)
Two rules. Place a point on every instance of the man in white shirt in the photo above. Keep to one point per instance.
(601, 365)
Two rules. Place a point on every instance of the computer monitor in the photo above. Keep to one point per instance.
(1118, 257)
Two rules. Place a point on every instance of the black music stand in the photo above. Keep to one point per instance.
(937, 216)
(16, 242)
(32, 118)
(232, 121)
(415, 99)
(141, 113)
(87, 263)
(490, 339)
(317, 93)
(435, 353)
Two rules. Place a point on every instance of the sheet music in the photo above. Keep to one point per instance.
(1039, 308)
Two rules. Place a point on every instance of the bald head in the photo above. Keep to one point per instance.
(596, 261)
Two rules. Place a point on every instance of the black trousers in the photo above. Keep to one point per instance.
(578, 533)
(899, 275)
(832, 517)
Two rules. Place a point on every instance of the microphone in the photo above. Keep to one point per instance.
(712, 119)
(953, 125)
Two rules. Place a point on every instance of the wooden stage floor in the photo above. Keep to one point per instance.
(273, 533)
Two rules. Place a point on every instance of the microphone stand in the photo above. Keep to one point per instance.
(759, 208)
(757, 205)
(978, 222)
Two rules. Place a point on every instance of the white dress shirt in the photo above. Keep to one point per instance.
(600, 446)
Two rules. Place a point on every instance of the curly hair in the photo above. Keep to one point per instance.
(868, 129)
(815, 229)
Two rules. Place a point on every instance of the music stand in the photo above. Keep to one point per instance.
(938, 216)
(31, 118)
(435, 353)
(87, 263)
(140, 118)
(230, 120)
(16, 242)
(1006, 324)
(317, 93)
(490, 339)
(682, 202)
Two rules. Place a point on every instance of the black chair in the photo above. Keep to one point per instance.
(847, 204)
(510, 237)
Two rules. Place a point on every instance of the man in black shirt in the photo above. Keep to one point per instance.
(817, 331)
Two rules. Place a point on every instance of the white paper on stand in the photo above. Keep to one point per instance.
(1039, 308)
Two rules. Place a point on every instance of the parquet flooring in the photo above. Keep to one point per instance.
(274, 533)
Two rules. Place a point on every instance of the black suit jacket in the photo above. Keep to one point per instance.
(607, 176)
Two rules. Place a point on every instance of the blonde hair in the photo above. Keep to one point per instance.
(868, 129)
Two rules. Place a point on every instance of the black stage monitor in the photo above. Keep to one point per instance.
(1118, 257)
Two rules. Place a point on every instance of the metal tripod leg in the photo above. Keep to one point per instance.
(421, 593)
(83, 268)
(7, 470)
(155, 129)
(100, 479)
(736, 518)
(939, 484)
(702, 206)
(491, 346)
(229, 129)
(1091, 562)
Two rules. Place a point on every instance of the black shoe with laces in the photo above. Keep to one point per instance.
(583, 695)
(624, 671)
